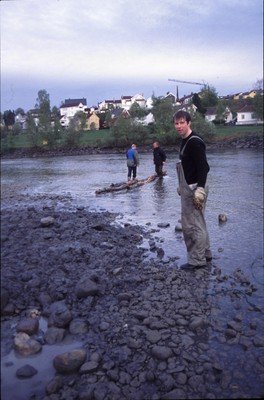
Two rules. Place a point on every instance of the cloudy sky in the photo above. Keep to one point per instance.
(108, 48)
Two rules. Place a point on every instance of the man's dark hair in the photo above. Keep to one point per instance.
(182, 114)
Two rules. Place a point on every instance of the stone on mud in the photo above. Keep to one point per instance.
(54, 335)
(26, 346)
(29, 326)
(47, 221)
(86, 287)
(161, 352)
(26, 371)
(60, 315)
(69, 361)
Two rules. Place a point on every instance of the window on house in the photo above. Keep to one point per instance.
(242, 116)
(253, 116)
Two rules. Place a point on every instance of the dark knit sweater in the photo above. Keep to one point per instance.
(194, 162)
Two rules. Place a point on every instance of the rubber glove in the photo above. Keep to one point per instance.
(199, 198)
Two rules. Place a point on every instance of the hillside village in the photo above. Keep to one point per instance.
(244, 115)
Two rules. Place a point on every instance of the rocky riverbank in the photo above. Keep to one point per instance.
(142, 330)
(248, 142)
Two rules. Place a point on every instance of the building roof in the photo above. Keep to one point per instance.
(246, 108)
(73, 102)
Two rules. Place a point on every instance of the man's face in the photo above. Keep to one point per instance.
(183, 127)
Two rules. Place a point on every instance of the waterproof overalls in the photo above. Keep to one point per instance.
(193, 222)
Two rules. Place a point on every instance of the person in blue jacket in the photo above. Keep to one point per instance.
(132, 162)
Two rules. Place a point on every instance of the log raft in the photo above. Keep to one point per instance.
(115, 187)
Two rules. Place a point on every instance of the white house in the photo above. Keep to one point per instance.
(140, 100)
(149, 103)
(148, 119)
(109, 104)
(127, 101)
(69, 108)
(211, 114)
(247, 116)
(21, 120)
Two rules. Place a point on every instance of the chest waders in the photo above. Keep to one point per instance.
(193, 222)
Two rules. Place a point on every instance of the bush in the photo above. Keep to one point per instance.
(203, 127)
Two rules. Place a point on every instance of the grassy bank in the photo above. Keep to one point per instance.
(100, 138)
(237, 132)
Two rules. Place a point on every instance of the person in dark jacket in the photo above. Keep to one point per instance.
(132, 162)
(192, 170)
(159, 158)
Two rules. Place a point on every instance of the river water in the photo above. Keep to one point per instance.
(236, 190)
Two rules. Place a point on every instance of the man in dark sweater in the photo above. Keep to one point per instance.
(159, 158)
(192, 170)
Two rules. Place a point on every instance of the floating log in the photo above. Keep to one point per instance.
(115, 187)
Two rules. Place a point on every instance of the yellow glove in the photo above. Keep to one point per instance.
(199, 198)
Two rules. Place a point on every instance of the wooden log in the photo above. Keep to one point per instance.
(115, 187)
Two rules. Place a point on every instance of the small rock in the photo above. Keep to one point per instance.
(69, 361)
(161, 352)
(54, 385)
(26, 346)
(178, 228)
(29, 326)
(86, 287)
(163, 225)
(26, 371)
(60, 315)
(78, 326)
(54, 335)
(88, 367)
(47, 221)
(222, 218)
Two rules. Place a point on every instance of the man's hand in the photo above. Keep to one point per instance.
(199, 198)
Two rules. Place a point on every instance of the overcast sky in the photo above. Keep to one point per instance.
(108, 48)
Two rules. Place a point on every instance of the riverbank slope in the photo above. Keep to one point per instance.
(232, 141)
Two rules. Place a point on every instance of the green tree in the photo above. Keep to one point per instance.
(73, 132)
(43, 106)
(220, 113)
(258, 99)
(108, 119)
(209, 96)
(125, 132)
(32, 131)
(19, 110)
(163, 114)
(45, 130)
(258, 105)
(196, 100)
(78, 121)
(136, 111)
(9, 119)
(56, 122)
(200, 125)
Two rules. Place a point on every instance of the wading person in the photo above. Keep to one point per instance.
(132, 162)
(192, 170)
(159, 158)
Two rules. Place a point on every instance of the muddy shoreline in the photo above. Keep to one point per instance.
(143, 330)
